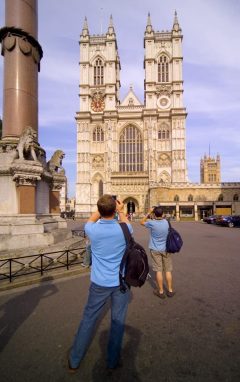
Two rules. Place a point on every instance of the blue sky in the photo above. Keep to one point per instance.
(211, 70)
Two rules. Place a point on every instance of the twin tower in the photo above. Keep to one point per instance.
(126, 147)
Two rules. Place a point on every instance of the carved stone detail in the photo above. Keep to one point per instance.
(164, 160)
(55, 163)
(26, 172)
(163, 90)
(58, 181)
(27, 147)
(97, 161)
(28, 45)
(164, 177)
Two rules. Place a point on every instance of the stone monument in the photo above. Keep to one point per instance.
(29, 186)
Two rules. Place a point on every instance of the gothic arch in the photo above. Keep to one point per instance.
(95, 57)
(163, 53)
(131, 204)
(97, 185)
(98, 134)
(132, 123)
(163, 68)
(130, 148)
(235, 197)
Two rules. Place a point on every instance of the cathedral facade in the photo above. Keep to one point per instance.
(134, 150)
(125, 147)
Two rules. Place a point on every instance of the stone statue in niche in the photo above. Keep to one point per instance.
(27, 146)
(55, 163)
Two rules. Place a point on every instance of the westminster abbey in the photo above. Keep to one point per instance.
(136, 150)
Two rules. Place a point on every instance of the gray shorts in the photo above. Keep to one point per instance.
(161, 261)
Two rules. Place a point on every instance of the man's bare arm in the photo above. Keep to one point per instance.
(94, 217)
(119, 207)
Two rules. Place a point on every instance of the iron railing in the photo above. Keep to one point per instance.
(11, 268)
(78, 232)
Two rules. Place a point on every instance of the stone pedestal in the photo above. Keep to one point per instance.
(54, 194)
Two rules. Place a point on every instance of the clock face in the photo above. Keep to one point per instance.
(163, 102)
(97, 103)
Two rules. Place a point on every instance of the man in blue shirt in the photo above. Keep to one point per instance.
(161, 260)
(108, 246)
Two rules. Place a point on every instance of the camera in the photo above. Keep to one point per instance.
(114, 197)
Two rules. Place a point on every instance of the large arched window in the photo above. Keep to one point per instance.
(130, 150)
(163, 69)
(176, 198)
(220, 198)
(98, 134)
(190, 198)
(98, 72)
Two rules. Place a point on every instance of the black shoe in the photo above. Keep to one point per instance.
(158, 294)
(71, 369)
(170, 294)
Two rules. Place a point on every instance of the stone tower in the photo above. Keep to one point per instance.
(210, 170)
(99, 97)
(164, 107)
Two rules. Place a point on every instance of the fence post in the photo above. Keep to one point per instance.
(67, 260)
(41, 265)
(10, 270)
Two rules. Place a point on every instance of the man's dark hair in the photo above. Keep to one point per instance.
(106, 206)
(158, 212)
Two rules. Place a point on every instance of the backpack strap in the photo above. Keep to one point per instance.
(128, 239)
(127, 235)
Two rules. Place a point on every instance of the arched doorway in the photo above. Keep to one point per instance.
(131, 207)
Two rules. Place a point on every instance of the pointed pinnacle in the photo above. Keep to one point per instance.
(85, 24)
(149, 20)
(111, 22)
(175, 18)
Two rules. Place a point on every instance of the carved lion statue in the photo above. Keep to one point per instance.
(55, 163)
(26, 148)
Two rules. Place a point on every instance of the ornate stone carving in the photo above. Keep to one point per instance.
(27, 147)
(164, 177)
(58, 181)
(163, 90)
(55, 163)
(26, 172)
(164, 160)
(28, 45)
(97, 161)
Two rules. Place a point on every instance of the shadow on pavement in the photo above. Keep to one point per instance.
(15, 311)
(130, 349)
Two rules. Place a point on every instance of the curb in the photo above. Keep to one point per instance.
(47, 276)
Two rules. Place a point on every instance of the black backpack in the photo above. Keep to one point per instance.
(174, 241)
(134, 266)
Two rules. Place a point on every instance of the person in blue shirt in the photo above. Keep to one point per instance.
(161, 260)
(108, 246)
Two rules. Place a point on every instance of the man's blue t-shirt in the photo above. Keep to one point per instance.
(108, 246)
(158, 234)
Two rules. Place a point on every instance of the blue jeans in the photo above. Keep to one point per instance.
(98, 296)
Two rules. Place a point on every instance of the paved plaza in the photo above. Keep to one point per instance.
(194, 336)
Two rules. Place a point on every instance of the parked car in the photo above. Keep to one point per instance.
(211, 219)
(229, 221)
